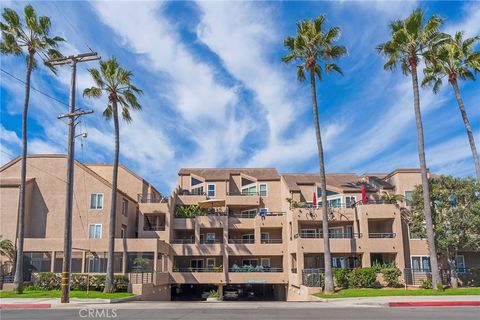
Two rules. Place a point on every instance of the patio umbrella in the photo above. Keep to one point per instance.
(364, 194)
(212, 203)
(314, 199)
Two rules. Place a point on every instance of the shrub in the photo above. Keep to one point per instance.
(79, 282)
(390, 276)
(46, 281)
(213, 294)
(315, 279)
(341, 277)
(120, 283)
(426, 284)
(362, 277)
(440, 287)
(97, 282)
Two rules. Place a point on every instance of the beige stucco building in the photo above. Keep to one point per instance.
(248, 235)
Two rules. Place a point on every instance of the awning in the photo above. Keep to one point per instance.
(212, 203)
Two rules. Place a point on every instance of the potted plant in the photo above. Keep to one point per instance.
(213, 296)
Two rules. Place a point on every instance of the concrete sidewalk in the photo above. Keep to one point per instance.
(375, 302)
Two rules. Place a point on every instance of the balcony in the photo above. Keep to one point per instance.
(151, 198)
(249, 268)
(271, 241)
(183, 241)
(382, 235)
(243, 199)
(304, 234)
(153, 228)
(241, 241)
(188, 269)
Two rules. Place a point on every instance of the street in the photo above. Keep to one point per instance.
(361, 313)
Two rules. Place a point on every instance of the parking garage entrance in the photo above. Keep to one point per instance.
(191, 292)
(231, 292)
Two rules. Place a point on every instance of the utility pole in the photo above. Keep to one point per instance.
(72, 116)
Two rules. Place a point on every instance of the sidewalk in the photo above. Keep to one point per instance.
(375, 302)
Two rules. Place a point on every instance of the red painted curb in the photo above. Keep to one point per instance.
(25, 306)
(435, 304)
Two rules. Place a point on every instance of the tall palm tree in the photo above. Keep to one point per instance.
(116, 83)
(455, 59)
(314, 49)
(409, 39)
(7, 249)
(31, 38)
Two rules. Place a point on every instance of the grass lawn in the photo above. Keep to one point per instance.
(352, 293)
(73, 294)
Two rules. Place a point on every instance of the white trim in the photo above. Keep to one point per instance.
(214, 190)
(94, 230)
(421, 258)
(248, 186)
(260, 189)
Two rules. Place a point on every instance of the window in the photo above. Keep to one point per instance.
(264, 236)
(338, 262)
(123, 231)
(350, 201)
(211, 190)
(125, 207)
(210, 237)
(265, 262)
(196, 264)
(308, 233)
(349, 231)
(336, 232)
(263, 212)
(197, 191)
(194, 181)
(460, 263)
(248, 213)
(210, 263)
(335, 203)
(408, 197)
(249, 190)
(248, 238)
(250, 262)
(96, 201)
(95, 231)
(421, 263)
(263, 190)
(153, 222)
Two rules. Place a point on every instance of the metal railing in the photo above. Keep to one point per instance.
(241, 241)
(246, 215)
(271, 241)
(377, 235)
(316, 235)
(242, 193)
(183, 241)
(212, 241)
(140, 277)
(417, 277)
(185, 192)
(189, 269)
(153, 228)
(151, 198)
(313, 277)
(248, 268)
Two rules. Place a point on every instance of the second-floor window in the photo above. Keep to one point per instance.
(123, 232)
(125, 207)
(263, 189)
(96, 201)
(249, 190)
(95, 231)
(211, 190)
(408, 197)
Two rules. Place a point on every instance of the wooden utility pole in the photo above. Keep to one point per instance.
(72, 116)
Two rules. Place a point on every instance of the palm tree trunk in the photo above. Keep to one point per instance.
(113, 210)
(323, 186)
(426, 191)
(468, 128)
(18, 280)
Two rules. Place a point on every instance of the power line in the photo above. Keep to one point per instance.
(33, 88)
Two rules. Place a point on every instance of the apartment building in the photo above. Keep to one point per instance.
(253, 230)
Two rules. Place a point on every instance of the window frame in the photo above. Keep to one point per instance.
(124, 207)
(265, 259)
(207, 263)
(196, 261)
(248, 186)
(214, 190)
(94, 230)
(96, 194)
(260, 189)
(209, 234)
(250, 260)
(406, 198)
(421, 257)
(464, 264)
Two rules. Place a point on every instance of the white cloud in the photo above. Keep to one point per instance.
(469, 23)
(38, 146)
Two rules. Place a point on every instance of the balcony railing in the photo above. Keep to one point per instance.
(254, 214)
(153, 228)
(208, 269)
(211, 241)
(194, 192)
(382, 235)
(242, 193)
(241, 241)
(346, 235)
(271, 241)
(183, 241)
(151, 198)
(249, 268)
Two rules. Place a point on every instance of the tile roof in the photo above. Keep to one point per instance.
(339, 181)
(225, 173)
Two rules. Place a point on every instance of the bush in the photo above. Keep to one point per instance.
(390, 276)
(120, 283)
(214, 294)
(97, 282)
(362, 278)
(341, 277)
(46, 281)
(426, 284)
(316, 279)
(79, 282)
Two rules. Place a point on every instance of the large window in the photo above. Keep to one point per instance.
(211, 190)
(335, 203)
(94, 231)
(350, 201)
(41, 261)
(408, 197)
(196, 264)
(263, 189)
(96, 201)
(421, 263)
(250, 262)
(338, 262)
(125, 207)
(336, 232)
(249, 190)
(197, 191)
(153, 222)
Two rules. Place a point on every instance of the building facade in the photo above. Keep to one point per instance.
(250, 229)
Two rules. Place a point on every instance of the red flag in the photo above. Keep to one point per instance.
(314, 199)
(364, 194)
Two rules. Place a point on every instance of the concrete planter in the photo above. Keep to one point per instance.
(210, 299)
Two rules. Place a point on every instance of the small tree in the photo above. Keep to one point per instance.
(456, 217)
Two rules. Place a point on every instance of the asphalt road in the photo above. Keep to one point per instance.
(242, 314)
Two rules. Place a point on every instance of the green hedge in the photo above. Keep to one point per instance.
(390, 276)
(362, 278)
(79, 281)
(341, 277)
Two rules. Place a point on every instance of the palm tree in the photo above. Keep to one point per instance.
(409, 38)
(7, 249)
(116, 83)
(33, 37)
(455, 59)
(392, 198)
(314, 49)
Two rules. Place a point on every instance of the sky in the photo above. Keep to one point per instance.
(216, 94)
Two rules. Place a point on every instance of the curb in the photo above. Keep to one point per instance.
(25, 306)
(435, 304)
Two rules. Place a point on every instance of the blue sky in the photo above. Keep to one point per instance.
(217, 95)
